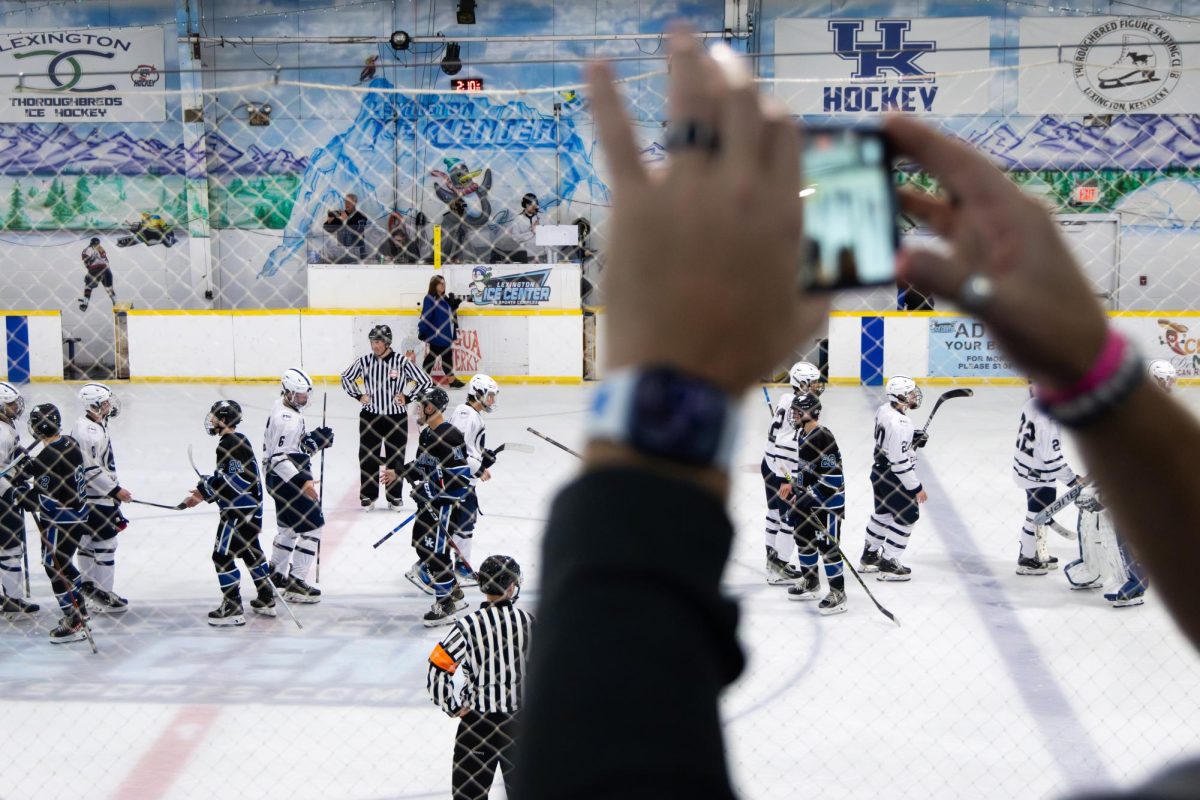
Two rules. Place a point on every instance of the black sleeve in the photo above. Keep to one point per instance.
(625, 674)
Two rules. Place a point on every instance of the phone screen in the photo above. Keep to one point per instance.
(849, 209)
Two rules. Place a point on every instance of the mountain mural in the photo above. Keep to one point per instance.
(1130, 142)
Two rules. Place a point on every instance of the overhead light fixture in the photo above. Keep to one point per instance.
(400, 40)
(452, 63)
(259, 113)
(466, 12)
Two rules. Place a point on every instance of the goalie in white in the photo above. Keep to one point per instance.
(1103, 557)
(1038, 464)
(780, 451)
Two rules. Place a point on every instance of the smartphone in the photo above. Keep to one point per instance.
(850, 209)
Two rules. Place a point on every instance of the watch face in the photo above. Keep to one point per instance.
(677, 417)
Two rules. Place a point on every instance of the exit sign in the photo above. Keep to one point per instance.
(1085, 195)
(466, 84)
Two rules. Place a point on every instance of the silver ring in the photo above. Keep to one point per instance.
(690, 133)
(976, 292)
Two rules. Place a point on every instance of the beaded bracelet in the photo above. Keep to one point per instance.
(1113, 377)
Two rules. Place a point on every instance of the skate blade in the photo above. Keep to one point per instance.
(269, 611)
(829, 612)
(74, 637)
(1094, 583)
(1031, 571)
(780, 580)
(228, 622)
(302, 599)
(98, 609)
(1121, 84)
(802, 597)
(19, 616)
(892, 578)
(863, 568)
(1130, 603)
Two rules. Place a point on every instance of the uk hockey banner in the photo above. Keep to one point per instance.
(870, 66)
(91, 75)
(1108, 65)
(961, 347)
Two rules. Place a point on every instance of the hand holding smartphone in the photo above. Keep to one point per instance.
(850, 209)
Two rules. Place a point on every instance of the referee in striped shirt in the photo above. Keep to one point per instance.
(388, 382)
(491, 645)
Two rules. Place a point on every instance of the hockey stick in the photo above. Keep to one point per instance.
(396, 529)
(1047, 514)
(559, 445)
(770, 407)
(178, 507)
(87, 629)
(279, 596)
(25, 559)
(947, 395)
(192, 460)
(516, 447)
(22, 454)
(321, 490)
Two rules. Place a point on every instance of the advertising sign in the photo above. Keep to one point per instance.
(961, 347)
(91, 75)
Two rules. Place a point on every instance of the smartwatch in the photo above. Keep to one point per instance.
(666, 414)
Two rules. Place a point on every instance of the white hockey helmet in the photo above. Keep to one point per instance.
(93, 396)
(296, 385)
(12, 405)
(806, 378)
(1164, 373)
(480, 387)
(904, 390)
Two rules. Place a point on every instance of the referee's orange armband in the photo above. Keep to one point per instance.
(442, 660)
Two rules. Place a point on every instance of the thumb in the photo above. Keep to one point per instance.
(931, 273)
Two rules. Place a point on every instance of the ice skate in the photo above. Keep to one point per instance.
(227, 614)
(395, 505)
(444, 612)
(806, 586)
(869, 561)
(264, 604)
(1079, 577)
(14, 609)
(367, 505)
(832, 603)
(1131, 593)
(892, 570)
(419, 576)
(1031, 566)
(279, 579)
(70, 629)
(300, 592)
(464, 575)
(83, 304)
(1134, 66)
(103, 602)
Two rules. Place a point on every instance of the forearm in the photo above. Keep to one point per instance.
(640, 615)
(1142, 455)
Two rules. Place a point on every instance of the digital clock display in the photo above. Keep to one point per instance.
(466, 84)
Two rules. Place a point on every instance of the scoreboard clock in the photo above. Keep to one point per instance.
(466, 84)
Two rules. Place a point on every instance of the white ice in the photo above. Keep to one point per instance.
(997, 685)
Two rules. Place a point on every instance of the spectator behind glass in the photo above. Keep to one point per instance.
(598, 722)
(455, 231)
(401, 246)
(438, 328)
(347, 224)
(523, 229)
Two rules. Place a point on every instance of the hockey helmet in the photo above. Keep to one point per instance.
(45, 421)
(806, 378)
(296, 385)
(1164, 373)
(904, 390)
(497, 573)
(381, 333)
(803, 404)
(223, 414)
(480, 387)
(434, 396)
(12, 405)
(93, 396)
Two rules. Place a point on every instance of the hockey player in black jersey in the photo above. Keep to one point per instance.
(56, 492)
(818, 503)
(441, 477)
(236, 490)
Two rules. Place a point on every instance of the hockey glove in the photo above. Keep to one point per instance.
(920, 439)
(205, 489)
(322, 437)
(423, 494)
(1089, 501)
(489, 458)
(805, 501)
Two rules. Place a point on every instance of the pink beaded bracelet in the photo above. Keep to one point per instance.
(1116, 372)
(1102, 370)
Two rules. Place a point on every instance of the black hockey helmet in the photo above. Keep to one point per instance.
(45, 420)
(95, 241)
(807, 404)
(381, 333)
(435, 396)
(224, 413)
(497, 573)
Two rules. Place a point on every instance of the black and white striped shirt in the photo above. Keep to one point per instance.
(384, 378)
(492, 647)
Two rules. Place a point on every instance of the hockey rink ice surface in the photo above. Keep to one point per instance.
(996, 685)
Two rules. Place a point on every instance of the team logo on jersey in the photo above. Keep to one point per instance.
(1127, 65)
(887, 56)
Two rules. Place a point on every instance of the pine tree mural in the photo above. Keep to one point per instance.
(17, 219)
(81, 200)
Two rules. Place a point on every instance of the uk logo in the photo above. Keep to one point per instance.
(887, 64)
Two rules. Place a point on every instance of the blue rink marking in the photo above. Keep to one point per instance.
(1066, 738)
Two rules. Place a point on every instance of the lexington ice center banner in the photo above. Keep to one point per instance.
(1109, 65)
(867, 66)
(91, 75)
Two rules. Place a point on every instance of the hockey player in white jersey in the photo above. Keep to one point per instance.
(898, 491)
(98, 546)
(287, 452)
(1038, 463)
(482, 394)
(12, 520)
(781, 450)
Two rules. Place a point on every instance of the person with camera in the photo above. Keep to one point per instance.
(438, 328)
(347, 224)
